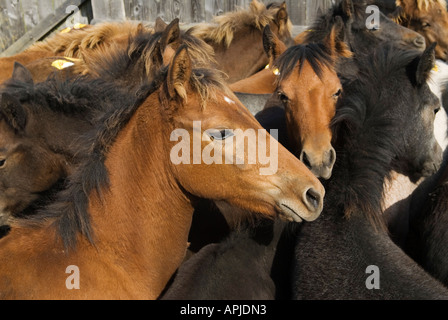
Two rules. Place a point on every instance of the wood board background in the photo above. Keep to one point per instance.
(22, 22)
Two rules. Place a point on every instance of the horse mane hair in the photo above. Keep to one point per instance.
(114, 61)
(421, 5)
(323, 24)
(69, 211)
(70, 97)
(365, 134)
(223, 28)
(316, 54)
(78, 41)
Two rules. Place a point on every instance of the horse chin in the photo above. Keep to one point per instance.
(288, 213)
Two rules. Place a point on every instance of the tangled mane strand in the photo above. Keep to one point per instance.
(223, 28)
(143, 51)
(78, 42)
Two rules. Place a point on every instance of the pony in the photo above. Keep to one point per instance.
(308, 87)
(342, 254)
(131, 202)
(41, 126)
(73, 44)
(39, 157)
(236, 37)
(426, 241)
(404, 198)
(427, 17)
(255, 253)
(358, 38)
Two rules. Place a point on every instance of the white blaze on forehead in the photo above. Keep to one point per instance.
(228, 100)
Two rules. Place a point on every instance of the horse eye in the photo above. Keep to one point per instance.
(436, 110)
(2, 162)
(220, 134)
(425, 25)
(337, 94)
(283, 97)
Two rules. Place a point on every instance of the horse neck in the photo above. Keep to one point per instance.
(244, 57)
(357, 183)
(143, 208)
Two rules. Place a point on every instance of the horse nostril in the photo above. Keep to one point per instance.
(331, 157)
(312, 199)
(419, 42)
(304, 159)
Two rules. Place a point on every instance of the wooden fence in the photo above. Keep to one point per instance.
(22, 22)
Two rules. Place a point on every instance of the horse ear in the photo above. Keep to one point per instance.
(335, 40)
(160, 25)
(281, 18)
(12, 111)
(21, 73)
(425, 64)
(272, 45)
(347, 8)
(170, 41)
(179, 73)
(171, 35)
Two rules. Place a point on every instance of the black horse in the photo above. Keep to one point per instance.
(384, 122)
(249, 264)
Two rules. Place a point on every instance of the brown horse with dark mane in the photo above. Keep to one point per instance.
(124, 217)
(45, 150)
(307, 88)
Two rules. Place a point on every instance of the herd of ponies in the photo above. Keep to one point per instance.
(92, 205)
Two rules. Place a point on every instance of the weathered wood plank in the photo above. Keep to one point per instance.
(108, 10)
(45, 26)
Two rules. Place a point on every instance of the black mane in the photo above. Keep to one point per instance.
(363, 121)
(316, 54)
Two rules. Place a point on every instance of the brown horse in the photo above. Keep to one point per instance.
(73, 44)
(123, 220)
(41, 154)
(430, 19)
(236, 37)
(308, 87)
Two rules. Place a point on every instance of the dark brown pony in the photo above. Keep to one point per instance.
(429, 18)
(236, 37)
(123, 220)
(39, 137)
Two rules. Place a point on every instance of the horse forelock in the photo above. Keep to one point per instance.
(317, 55)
